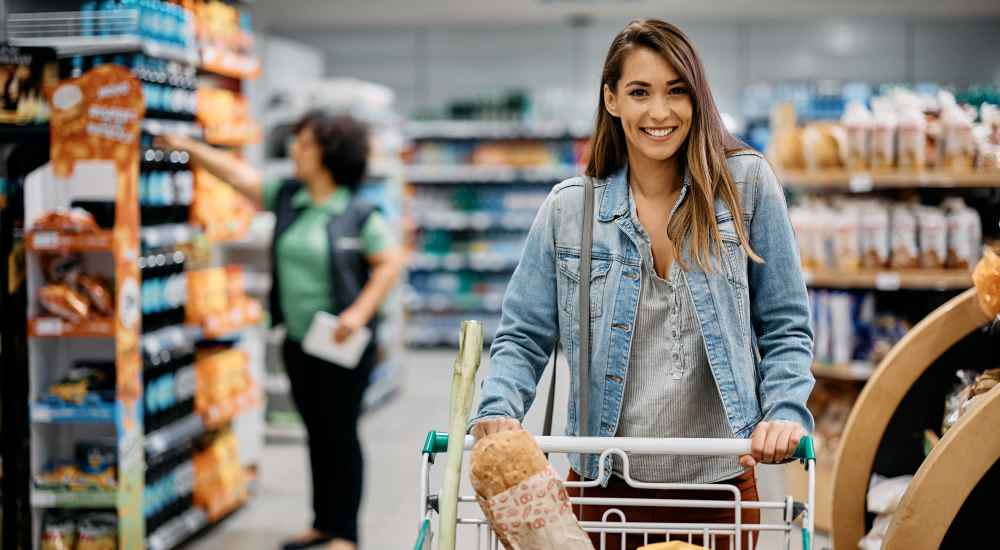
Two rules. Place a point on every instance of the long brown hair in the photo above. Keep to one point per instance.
(707, 146)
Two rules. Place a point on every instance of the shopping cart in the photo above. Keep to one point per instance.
(615, 521)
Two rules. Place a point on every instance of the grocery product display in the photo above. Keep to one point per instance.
(475, 187)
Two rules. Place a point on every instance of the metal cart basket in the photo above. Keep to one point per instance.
(776, 517)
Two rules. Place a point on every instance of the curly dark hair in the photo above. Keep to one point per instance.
(344, 144)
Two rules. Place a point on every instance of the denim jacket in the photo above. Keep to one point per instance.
(754, 317)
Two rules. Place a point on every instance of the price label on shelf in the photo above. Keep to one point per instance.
(43, 499)
(41, 413)
(888, 280)
(861, 183)
(49, 326)
(46, 239)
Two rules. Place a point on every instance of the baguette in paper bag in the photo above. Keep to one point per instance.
(522, 496)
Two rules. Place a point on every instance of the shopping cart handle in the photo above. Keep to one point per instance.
(805, 451)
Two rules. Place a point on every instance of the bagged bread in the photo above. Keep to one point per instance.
(847, 238)
(883, 144)
(785, 149)
(965, 234)
(874, 235)
(824, 146)
(905, 252)
(987, 280)
(64, 302)
(522, 496)
(98, 291)
(958, 145)
(912, 148)
(857, 120)
(933, 237)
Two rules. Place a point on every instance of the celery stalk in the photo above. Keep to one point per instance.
(463, 390)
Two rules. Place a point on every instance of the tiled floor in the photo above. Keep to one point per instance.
(392, 436)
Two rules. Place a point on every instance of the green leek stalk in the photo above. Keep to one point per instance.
(463, 390)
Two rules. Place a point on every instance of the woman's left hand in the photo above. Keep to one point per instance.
(773, 442)
(348, 322)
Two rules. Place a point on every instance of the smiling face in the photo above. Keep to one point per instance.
(653, 104)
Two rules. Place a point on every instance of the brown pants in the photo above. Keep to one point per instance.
(617, 488)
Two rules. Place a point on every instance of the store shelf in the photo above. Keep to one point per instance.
(173, 435)
(487, 129)
(54, 327)
(471, 174)
(95, 413)
(158, 127)
(918, 279)
(167, 235)
(861, 182)
(55, 241)
(178, 530)
(453, 220)
(50, 30)
(852, 372)
(488, 263)
(450, 303)
(46, 498)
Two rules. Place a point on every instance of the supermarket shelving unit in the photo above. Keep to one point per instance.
(471, 217)
(163, 453)
(968, 450)
(885, 281)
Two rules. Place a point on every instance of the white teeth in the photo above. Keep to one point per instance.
(658, 132)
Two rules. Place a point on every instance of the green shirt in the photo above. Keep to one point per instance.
(303, 254)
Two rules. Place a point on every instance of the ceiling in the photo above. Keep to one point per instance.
(326, 14)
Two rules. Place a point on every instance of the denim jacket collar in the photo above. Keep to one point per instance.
(615, 202)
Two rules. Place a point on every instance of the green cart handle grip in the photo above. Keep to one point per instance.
(805, 451)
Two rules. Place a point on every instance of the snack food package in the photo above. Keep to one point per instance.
(875, 235)
(64, 302)
(71, 220)
(61, 267)
(958, 149)
(98, 291)
(858, 122)
(847, 237)
(987, 280)
(905, 252)
(98, 532)
(965, 234)
(58, 532)
(883, 143)
(933, 237)
(912, 147)
(522, 496)
(824, 146)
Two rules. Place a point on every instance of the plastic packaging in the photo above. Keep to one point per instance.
(912, 136)
(98, 532)
(61, 268)
(883, 144)
(987, 280)
(64, 302)
(957, 146)
(72, 220)
(884, 494)
(875, 235)
(847, 238)
(933, 237)
(965, 234)
(824, 146)
(58, 532)
(858, 121)
(98, 292)
(905, 252)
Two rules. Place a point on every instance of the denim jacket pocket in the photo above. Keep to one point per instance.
(569, 273)
(734, 258)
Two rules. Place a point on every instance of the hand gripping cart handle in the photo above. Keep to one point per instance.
(472, 522)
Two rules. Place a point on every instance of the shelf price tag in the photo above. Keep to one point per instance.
(888, 280)
(861, 182)
(43, 499)
(41, 413)
(49, 326)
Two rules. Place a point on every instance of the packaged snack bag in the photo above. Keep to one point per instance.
(98, 291)
(912, 147)
(933, 237)
(64, 302)
(905, 252)
(858, 122)
(965, 234)
(883, 144)
(958, 145)
(875, 235)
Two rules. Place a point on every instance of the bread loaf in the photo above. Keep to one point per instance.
(522, 496)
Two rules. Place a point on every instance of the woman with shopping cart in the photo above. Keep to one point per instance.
(698, 314)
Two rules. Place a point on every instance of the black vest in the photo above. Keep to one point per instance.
(348, 264)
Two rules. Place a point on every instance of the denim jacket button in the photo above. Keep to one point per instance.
(631, 275)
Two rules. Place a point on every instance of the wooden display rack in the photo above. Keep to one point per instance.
(955, 465)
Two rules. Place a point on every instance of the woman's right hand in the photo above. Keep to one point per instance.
(171, 141)
(494, 425)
